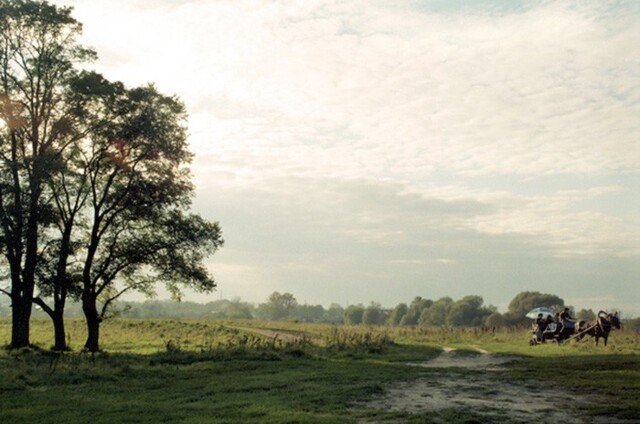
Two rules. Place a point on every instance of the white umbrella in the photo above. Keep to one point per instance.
(533, 314)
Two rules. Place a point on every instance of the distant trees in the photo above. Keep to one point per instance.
(230, 309)
(285, 307)
(279, 306)
(415, 310)
(374, 315)
(525, 301)
(353, 314)
(436, 314)
(334, 315)
(495, 319)
(397, 314)
(308, 313)
(585, 314)
(468, 311)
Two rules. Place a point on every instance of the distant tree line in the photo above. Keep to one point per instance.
(469, 311)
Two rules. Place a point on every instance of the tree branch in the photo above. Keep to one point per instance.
(38, 301)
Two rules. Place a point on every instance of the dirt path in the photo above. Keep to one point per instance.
(477, 382)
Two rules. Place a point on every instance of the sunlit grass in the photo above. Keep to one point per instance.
(151, 336)
(229, 371)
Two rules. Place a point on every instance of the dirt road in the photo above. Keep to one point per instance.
(478, 382)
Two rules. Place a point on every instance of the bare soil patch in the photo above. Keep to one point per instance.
(463, 380)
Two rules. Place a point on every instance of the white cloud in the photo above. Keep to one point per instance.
(380, 126)
(548, 90)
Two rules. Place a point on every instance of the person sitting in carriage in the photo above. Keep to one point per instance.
(551, 328)
(541, 325)
(558, 322)
(568, 323)
(550, 320)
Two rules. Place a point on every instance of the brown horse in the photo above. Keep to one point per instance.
(598, 327)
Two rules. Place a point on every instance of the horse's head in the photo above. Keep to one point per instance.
(614, 319)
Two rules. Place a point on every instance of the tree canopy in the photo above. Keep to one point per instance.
(525, 301)
(279, 306)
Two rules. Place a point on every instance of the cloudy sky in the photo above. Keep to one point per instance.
(358, 151)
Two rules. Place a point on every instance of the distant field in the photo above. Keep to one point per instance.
(269, 372)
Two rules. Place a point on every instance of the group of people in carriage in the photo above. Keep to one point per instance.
(562, 326)
(558, 327)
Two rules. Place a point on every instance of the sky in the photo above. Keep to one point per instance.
(375, 151)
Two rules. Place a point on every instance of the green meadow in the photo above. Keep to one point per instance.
(214, 371)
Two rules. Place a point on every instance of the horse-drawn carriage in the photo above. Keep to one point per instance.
(563, 330)
(554, 331)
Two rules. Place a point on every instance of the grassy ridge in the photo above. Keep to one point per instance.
(228, 372)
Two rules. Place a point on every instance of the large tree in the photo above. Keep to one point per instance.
(398, 313)
(130, 176)
(468, 311)
(279, 306)
(374, 315)
(38, 51)
(98, 204)
(525, 301)
(416, 308)
(437, 313)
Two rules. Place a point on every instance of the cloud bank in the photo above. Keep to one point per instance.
(376, 151)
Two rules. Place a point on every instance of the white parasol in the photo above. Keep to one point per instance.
(533, 314)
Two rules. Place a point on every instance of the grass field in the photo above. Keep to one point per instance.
(237, 372)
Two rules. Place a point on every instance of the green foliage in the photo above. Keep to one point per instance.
(525, 301)
(279, 306)
(398, 314)
(585, 314)
(468, 311)
(169, 309)
(353, 314)
(436, 314)
(334, 315)
(495, 319)
(308, 313)
(415, 311)
(374, 315)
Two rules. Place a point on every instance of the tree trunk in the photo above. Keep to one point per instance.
(93, 324)
(60, 335)
(21, 316)
(22, 287)
(57, 317)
